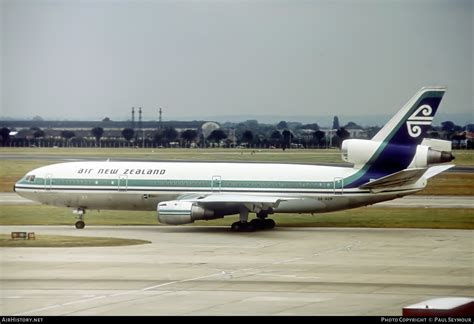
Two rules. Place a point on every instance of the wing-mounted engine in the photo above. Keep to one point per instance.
(175, 212)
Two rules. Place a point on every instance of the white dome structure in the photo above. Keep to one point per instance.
(208, 127)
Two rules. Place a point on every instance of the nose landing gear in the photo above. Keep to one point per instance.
(79, 212)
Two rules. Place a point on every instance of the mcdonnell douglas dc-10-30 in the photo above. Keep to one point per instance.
(396, 162)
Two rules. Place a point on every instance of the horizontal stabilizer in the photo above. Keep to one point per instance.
(434, 170)
(398, 179)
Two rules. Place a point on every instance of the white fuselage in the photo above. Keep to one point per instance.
(142, 185)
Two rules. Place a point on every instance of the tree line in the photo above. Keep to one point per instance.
(163, 138)
(249, 134)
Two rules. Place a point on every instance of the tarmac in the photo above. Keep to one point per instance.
(213, 271)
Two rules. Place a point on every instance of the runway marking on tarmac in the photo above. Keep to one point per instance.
(347, 248)
(37, 310)
(184, 280)
(229, 275)
(284, 276)
(115, 295)
(83, 300)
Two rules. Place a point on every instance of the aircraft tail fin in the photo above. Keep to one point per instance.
(396, 147)
(409, 125)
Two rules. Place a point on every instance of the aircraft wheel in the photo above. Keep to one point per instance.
(236, 227)
(249, 227)
(269, 223)
(80, 224)
(242, 227)
(258, 224)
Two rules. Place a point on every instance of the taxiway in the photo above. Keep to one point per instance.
(212, 271)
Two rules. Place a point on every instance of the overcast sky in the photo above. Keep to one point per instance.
(91, 59)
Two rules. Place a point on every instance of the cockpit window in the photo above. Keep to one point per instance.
(30, 178)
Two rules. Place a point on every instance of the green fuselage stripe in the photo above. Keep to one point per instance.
(130, 183)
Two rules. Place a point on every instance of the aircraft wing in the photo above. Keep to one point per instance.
(397, 179)
(253, 203)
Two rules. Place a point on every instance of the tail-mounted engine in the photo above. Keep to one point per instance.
(432, 151)
(359, 152)
(175, 212)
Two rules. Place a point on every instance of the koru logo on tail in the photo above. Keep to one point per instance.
(421, 116)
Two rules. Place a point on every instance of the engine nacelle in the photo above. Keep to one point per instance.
(175, 212)
(426, 156)
(358, 151)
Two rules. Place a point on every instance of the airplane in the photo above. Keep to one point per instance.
(396, 162)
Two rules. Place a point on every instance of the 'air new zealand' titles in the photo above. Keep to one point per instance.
(396, 162)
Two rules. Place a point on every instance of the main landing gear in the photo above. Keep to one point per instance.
(79, 212)
(259, 223)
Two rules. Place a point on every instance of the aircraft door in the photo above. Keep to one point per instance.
(216, 184)
(122, 182)
(338, 186)
(48, 181)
